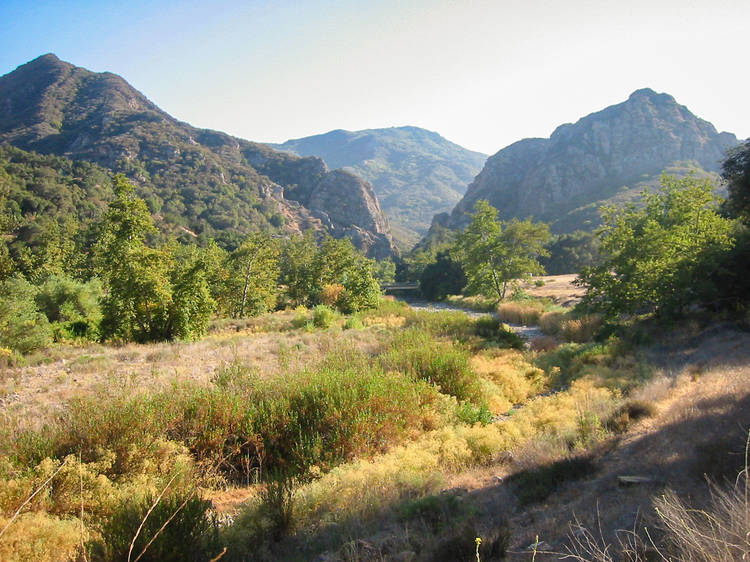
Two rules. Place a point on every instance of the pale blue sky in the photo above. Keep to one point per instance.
(481, 73)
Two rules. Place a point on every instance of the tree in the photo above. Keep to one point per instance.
(22, 327)
(148, 294)
(569, 253)
(335, 273)
(253, 269)
(496, 254)
(339, 263)
(651, 254)
(736, 173)
(298, 269)
(442, 278)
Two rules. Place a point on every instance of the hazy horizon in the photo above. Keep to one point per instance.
(481, 74)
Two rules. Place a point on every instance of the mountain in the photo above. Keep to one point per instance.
(608, 156)
(416, 173)
(196, 180)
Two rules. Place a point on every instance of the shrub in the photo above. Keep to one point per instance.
(437, 512)
(581, 329)
(524, 313)
(415, 354)
(40, 537)
(353, 323)
(301, 317)
(330, 294)
(323, 316)
(631, 411)
(551, 322)
(176, 527)
(493, 330)
(537, 484)
(461, 544)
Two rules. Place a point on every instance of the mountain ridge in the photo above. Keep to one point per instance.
(619, 148)
(200, 179)
(415, 172)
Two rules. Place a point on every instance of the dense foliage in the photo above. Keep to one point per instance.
(496, 254)
(652, 255)
(569, 253)
(736, 172)
(81, 257)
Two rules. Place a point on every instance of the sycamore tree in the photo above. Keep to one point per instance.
(252, 284)
(495, 254)
(333, 273)
(653, 253)
(148, 294)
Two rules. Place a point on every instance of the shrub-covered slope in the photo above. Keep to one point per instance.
(198, 179)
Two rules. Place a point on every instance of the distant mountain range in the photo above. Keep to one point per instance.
(608, 156)
(195, 180)
(416, 173)
(199, 182)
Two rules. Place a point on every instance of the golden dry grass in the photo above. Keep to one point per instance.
(558, 288)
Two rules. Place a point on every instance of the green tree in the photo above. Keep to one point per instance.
(298, 268)
(148, 294)
(308, 270)
(192, 304)
(736, 173)
(253, 269)
(496, 254)
(22, 327)
(338, 262)
(442, 278)
(651, 253)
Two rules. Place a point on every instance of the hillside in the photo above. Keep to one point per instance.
(196, 179)
(415, 173)
(607, 156)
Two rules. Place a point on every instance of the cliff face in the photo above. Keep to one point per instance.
(415, 173)
(590, 161)
(204, 180)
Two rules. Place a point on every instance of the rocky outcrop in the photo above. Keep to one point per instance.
(348, 204)
(202, 180)
(589, 161)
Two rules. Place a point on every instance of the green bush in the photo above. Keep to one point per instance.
(180, 525)
(242, 424)
(415, 354)
(353, 323)
(323, 316)
(493, 330)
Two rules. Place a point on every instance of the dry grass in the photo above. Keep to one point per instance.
(558, 288)
(523, 313)
(41, 537)
(40, 391)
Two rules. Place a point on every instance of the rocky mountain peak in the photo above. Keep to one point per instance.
(590, 160)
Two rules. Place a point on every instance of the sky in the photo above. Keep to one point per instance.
(483, 74)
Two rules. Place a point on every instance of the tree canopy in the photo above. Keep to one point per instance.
(651, 253)
(497, 254)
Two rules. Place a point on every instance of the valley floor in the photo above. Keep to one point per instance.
(541, 472)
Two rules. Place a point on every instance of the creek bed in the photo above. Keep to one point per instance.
(526, 332)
